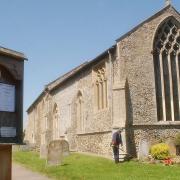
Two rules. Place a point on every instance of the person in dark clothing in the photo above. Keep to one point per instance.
(116, 141)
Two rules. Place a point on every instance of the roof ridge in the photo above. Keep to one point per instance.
(65, 74)
(13, 53)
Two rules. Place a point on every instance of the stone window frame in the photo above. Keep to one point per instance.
(45, 113)
(39, 110)
(34, 121)
(166, 58)
(55, 122)
(100, 86)
(43, 140)
(42, 107)
(35, 110)
(32, 137)
(44, 126)
(46, 123)
(46, 107)
(42, 115)
(80, 112)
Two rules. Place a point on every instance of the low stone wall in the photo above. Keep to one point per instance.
(98, 143)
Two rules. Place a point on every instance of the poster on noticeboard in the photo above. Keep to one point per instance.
(7, 97)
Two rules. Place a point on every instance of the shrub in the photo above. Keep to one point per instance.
(160, 151)
(177, 140)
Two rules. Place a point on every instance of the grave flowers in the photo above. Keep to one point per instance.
(168, 162)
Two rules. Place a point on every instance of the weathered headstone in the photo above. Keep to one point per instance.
(57, 149)
(65, 148)
(172, 148)
(43, 151)
(144, 146)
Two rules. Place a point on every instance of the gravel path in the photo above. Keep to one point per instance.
(21, 173)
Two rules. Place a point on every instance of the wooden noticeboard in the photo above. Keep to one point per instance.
(11, 107)
(11, 98)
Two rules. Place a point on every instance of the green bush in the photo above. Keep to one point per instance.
(177, 140)
(160, 151)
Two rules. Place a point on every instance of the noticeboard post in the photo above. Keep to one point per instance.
(11, 106)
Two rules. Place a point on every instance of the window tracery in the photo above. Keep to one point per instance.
(167, 69)
(100, 85)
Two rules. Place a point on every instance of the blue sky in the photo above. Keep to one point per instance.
(57, 35)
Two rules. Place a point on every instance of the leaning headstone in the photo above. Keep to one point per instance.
(65, 146)
(57, 149)
(143, 149)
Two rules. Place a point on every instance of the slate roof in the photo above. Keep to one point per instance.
(56, 83)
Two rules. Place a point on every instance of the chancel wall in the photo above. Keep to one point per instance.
(117, 89)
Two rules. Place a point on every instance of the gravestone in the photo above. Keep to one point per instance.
(144, 146)
(43, 151)
(57, 149)
(172, 148)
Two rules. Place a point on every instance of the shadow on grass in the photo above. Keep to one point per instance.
(65, 164)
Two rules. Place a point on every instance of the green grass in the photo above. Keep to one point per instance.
(83, 167)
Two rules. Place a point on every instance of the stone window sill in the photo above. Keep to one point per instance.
(91, 133)
(168, 123)
(160, 123)
(101, 111)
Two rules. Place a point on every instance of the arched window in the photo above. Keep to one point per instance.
(100, 86)
(80, 118)
(55, 122)
(167, 70)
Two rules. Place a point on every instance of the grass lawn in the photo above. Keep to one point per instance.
(83, 167)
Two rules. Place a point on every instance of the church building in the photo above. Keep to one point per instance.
(134, 85)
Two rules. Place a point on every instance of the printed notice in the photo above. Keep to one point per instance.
(8, 132)
(7, 97)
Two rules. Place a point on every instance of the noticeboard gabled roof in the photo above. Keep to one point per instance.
(12, 53)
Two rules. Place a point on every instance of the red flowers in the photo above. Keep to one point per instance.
(168, 162)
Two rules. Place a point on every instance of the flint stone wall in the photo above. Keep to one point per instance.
(136, 66)
(98, 143)
(133, 62)
(95, 121)
(154, 135)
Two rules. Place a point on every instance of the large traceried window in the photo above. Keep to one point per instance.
(100, 86)
(55, 122)
(167, 70)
